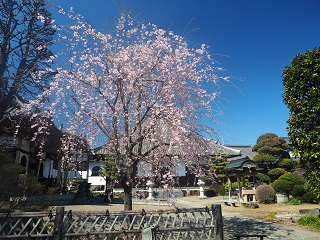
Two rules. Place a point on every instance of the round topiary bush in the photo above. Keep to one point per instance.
(266, 194)
(286, 182)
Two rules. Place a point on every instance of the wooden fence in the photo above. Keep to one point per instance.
(194, 223)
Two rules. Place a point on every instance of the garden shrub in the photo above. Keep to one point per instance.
(218, 167)
(275, 173)
(210, 192)
(220, 190)
(286, 163)
(265, 194)
(221, 176)
(286, 182)
(264, 159)
(298, 191)
(280, 186)
(295, 201)
(309, 197)
(234, 186)
(309, 220)
(263, 178)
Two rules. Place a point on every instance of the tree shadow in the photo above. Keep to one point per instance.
(244, 225)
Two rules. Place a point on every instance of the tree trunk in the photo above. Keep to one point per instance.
(127, 197)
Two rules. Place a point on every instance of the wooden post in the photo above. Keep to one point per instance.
(229, 187)
(239, 188)
(218, 222)
(58, 223)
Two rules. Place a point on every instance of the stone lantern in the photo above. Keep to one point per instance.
(150, 185)
(201, 184)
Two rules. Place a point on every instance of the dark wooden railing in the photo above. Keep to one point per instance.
(194, 223)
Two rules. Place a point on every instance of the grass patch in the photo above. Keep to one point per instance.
(272, 215)
(310, 221)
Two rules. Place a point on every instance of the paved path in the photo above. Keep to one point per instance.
(233, 222)
(236, 223)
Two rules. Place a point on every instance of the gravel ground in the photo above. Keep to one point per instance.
(233, 222)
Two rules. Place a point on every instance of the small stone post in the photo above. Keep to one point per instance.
(150, 185)
(201, 184)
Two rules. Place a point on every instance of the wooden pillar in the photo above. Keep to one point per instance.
(239, 187)
(243, 181)
(229, 187)
(218, 222)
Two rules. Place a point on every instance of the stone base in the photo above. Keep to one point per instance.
(202, 197)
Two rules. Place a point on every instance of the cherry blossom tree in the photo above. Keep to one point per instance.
(139, 89)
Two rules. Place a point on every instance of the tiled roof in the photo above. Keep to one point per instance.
(245, 151)
(238, 164)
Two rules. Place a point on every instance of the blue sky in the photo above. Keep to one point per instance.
(253, 39)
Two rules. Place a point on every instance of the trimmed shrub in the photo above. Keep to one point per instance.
(221, 176)
(264, 159)
(210, 192)
(298, 191)
(286, 163)
(286, 182)
(263, 178)
(275, 173)
(266, 194)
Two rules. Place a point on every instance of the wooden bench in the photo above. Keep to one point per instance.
(239, 236)
(228, 202)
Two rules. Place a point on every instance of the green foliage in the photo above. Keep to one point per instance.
(216, 167)
(275, 173)
(309, 197)
(295, 201)
(221, 191)
(31, 186)
(9, 177)
(265, 137)
(272, 215)
(301, 95)
(263, 178)
(286, 182)
(286, 164)
(264, 159)
(266, 194)
(298, 191)
(270, 143)
(210, 192)
(234, 186)
(113, 167)
(309, 220)
(221, 176)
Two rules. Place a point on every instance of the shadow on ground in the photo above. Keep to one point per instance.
(238, 224)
